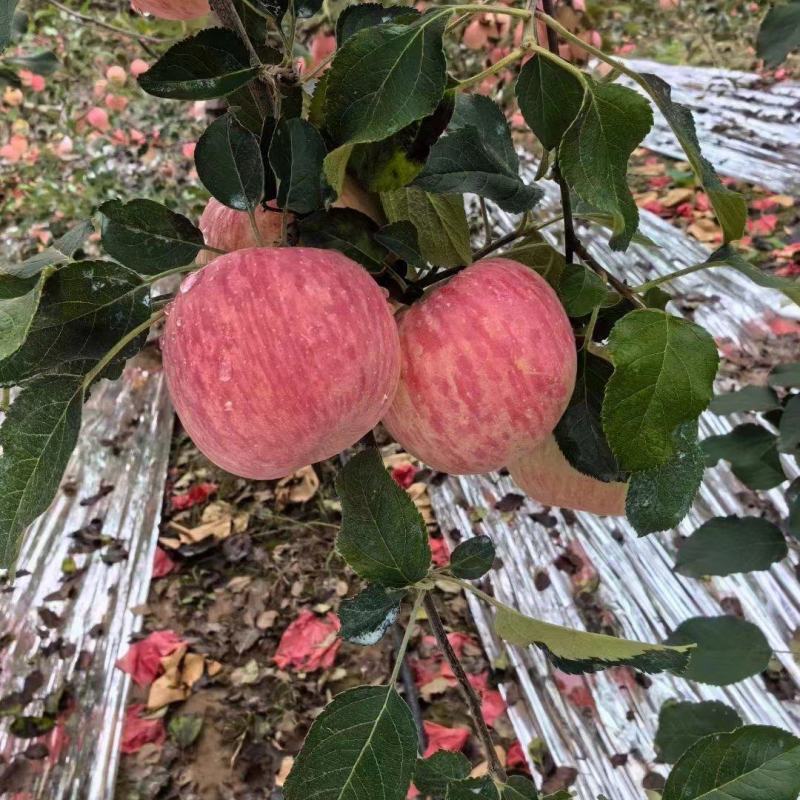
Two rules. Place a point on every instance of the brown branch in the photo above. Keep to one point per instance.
(472, 699)
(142, 37)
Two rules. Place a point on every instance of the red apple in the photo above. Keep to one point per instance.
(488, 367)
(547, 477)
(172, 9)
(279, 357)
(229, 230)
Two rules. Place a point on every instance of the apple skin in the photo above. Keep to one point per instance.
(228, 229)
(172, 9)
(488, 368)
(276, 358)
(546, 476)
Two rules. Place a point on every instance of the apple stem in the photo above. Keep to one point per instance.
(473, 701)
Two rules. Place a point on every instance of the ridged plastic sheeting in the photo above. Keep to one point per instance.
(86, 766)
(637, 584)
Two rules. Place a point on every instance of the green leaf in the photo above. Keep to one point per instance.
(147, 237)
(19, 300)
(726, 256)
(659, 498)
(366, 617)
(363, 745)
(729, 206)
(581, 290)
(787, 375)
(789, 433)
(483, 114)
(750, 398)
(549, 98)
(346, 230)
(305, 9)
(6, 20)
(440, 220)
(229, 163)
(518, 787)
(60, 251)
(726, 545)
(595, 150)
(793, 500)
(383, 537)
(31, 727)
(209, 64)
(682, 724)
(42, 63)
(296, 154)
(472, 789)
(334, 166)
(85, 309)
(579, 432)
(752, 452)
(38, 435)
(433, 774)
(472, 558)
(369, 15)
(779, 33)
(401, 239)
(752, 763)
(376, 66)
(535, 252)
(664, 369)
(575, 652)
(729, 649)
(459, 163)
(185, 728)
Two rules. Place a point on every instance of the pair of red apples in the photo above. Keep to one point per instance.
(278, 357)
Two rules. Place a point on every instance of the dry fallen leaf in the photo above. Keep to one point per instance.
(299, 487)
(674, 197)
(283, 773)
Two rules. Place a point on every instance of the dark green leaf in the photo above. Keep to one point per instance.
(432, 774)
(209, 64)
(401, 239)
(682, 724)
(31, 727)
(789, 434)
(549, 98)
(575, 651)
(19, 300)
(185, 728)
(659, 498)
(228, 160)
(729, 649)
(37, 437)
(296, 154)
(779, 33)
(366, 617)
(752, 452)
(369, 15)
(728, 257)
(376, 66)
(729, 206)
(581, 290)
(346, 230)
(751, 398)
(595, 149)
(472, 558)
(306, 9)
(42, 63)
(535, 252)
(275, 8)
(383, 537)
(579, 432)
(752, 763)
(459, 163)
(725, 545)
(364, 744)
(440, 221)
(483, 114)
(519, 787)
(6, 20)
(472, 789)
(61, 250)
(787, 375)
(147, 237)
(85, 309)
(664, 369)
